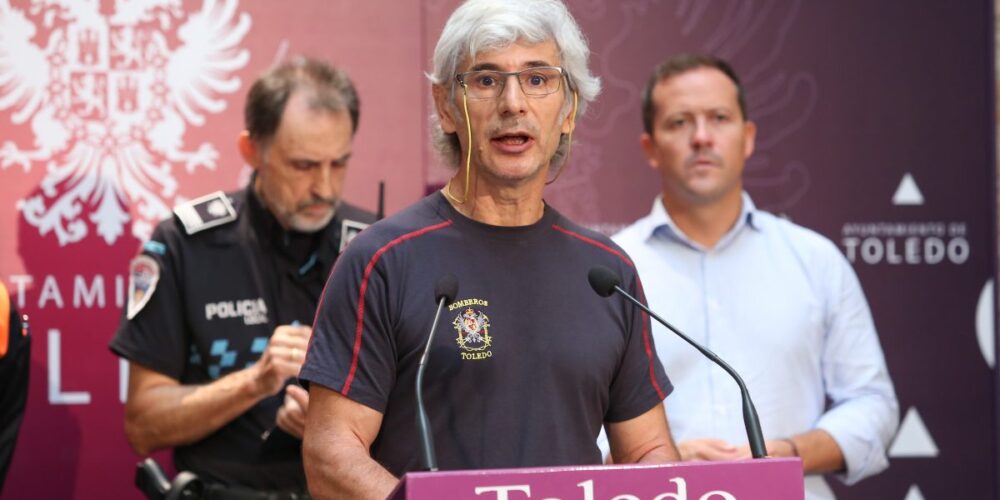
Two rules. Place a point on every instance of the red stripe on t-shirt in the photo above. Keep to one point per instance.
(645, 338)
(596, 243)
(645, 317)
(356, 352)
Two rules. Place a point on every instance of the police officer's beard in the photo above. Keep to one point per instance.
(300, 222)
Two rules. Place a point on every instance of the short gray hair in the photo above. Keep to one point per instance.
(332, 90)
(483, 25)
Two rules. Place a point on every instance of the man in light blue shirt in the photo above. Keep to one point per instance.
(776, 300)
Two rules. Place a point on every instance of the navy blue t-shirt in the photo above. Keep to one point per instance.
(526, 364)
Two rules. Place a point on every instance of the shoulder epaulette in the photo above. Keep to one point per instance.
(348, 230)
(205, 212)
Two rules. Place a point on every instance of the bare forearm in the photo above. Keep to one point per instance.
(170, 415)
(343, 470)
(662, 454)
(819, 452)
(643, 439)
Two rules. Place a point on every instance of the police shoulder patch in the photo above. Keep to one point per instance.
(143, 274)
(348, 230)
(205, 212)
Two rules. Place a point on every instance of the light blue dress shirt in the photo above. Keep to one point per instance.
(781, 305)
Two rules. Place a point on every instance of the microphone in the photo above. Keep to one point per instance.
(445, 291)
(606, 282)
(380, 214)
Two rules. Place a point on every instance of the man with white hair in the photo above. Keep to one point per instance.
(528, 363)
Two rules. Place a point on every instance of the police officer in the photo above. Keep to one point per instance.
(222, 297)
(15, 359)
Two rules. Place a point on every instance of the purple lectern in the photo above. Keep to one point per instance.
(764, 479)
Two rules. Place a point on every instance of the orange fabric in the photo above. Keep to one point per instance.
(4, 320)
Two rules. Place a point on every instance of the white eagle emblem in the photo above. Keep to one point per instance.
(109, 98)
(473, 329)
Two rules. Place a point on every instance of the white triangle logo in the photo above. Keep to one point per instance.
(985, 333)
(908, 193)
(913, 440)
(914, 493)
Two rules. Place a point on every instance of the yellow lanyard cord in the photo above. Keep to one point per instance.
(468, 155)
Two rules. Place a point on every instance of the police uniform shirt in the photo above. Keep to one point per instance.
(204, 302)
(527, 363)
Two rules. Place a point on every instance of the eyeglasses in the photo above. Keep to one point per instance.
(535, 82)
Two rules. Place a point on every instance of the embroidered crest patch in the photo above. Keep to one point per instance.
(474, 338)
(143, 274)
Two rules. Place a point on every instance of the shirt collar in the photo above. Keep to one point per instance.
(660, 224)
